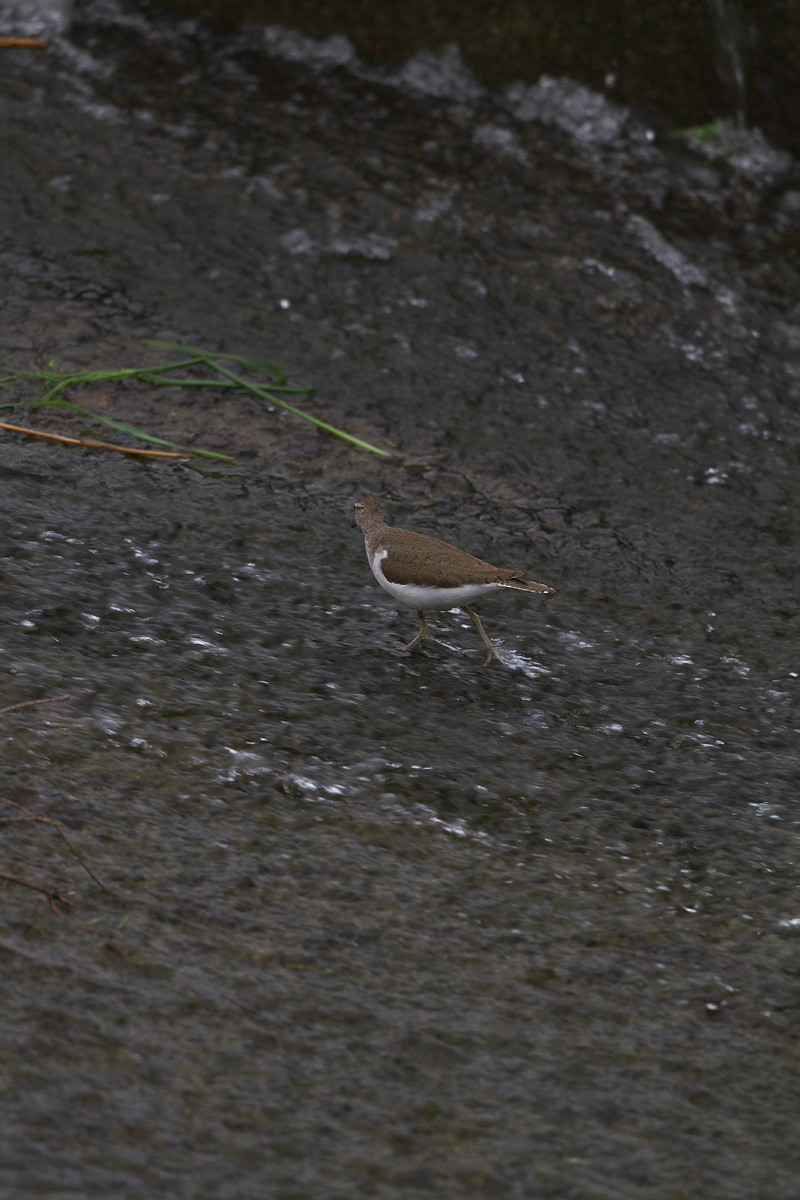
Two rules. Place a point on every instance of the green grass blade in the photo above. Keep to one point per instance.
(168, 381)
(264, 394)
(212, 358)
(209, 356)
(159, 377)
(696, 132)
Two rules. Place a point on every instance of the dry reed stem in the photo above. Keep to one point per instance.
(95, 445)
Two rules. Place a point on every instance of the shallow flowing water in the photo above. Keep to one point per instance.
(386, 924)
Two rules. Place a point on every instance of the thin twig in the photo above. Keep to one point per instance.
(54, 898)
(31, 816)
(27, 703)
(95, 445)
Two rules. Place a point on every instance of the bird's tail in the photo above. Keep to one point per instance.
(527, 585)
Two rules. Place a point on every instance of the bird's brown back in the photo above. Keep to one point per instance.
(430, 562)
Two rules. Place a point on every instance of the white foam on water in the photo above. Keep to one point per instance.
(660, 249)
(35, 18)
(334, 51)
(585, 115)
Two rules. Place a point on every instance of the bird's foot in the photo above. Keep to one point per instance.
(423, 629)
(493, 652)
(407, 646)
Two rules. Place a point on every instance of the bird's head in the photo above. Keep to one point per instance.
(368, 509)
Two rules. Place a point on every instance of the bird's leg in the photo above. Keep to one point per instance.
(423, 629)
(491, 648)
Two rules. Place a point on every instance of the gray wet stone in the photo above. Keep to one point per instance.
(385, 924)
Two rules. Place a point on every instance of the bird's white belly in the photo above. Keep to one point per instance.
(424, 598)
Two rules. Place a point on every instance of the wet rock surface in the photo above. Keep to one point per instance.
(684, 63)
(385, 924)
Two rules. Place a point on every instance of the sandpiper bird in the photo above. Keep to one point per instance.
(426, 573)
